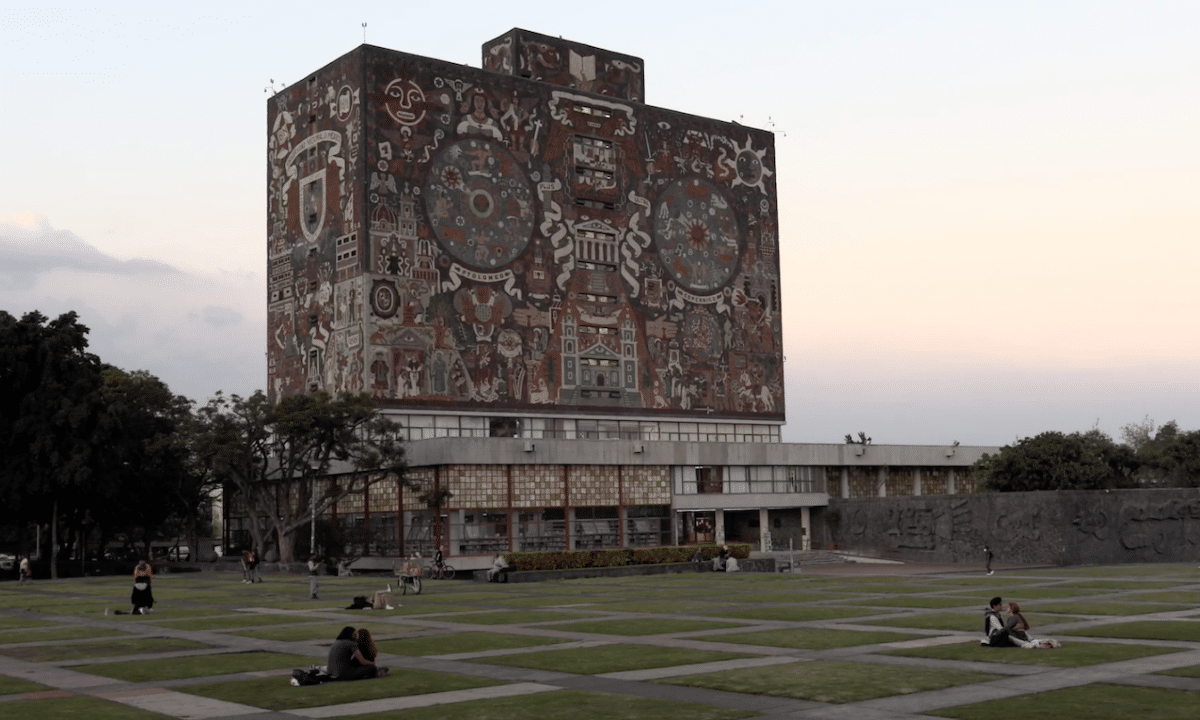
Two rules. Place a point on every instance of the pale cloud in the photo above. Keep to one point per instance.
(200, 331)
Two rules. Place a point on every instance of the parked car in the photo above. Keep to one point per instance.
(7, 562)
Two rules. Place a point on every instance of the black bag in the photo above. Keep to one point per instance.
(303, 677)
(360, 602)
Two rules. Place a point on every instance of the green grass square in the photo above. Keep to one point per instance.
(1192, 671)
(199, 666)
(668, 607)
(8, 622)
(1166, 596)
(465, 642)
(932, 603)
(962, 622)
(1086, 702)
(889, 588)
(1077, 654)
(1183, 630)
(609, 658)
(831, 682)
(513, 617)
(111, 648)
(57, 633)
(276, 693)
(1020, 595)
(1100, 608)
(637, 627)
(320, 631)
(565, 705)
(1120, 584)
(17, 686)
(808, 638)
(75, 707)
(239, 620)
(798, 613)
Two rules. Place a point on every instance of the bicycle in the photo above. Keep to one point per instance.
(439, 572)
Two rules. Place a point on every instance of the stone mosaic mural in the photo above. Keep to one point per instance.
(526, 237)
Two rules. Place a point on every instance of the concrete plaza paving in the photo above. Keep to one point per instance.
(444, 610)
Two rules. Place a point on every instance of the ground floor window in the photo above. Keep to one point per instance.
(596, 528)
(648, 525)
(479, 532)
(541, 530)
(697, 528)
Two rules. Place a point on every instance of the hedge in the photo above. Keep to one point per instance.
(614, 558)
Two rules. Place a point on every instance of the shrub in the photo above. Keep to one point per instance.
(571, 559)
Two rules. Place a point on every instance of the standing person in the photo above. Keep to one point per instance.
(246, 554)
(142, 596)
(314, 579)
(26, 573)
(987, 555)
(253, 565)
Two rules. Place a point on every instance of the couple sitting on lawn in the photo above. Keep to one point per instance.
(352, 656)
(1012, 631)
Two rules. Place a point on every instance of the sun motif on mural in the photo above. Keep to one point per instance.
(479, 203)
(697, 235)
(749, 168)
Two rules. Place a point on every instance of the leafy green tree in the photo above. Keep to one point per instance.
(1058, 461)
(270, 456)
(50, 412)
(1167, 457)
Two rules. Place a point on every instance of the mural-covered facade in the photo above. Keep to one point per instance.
(529, 237)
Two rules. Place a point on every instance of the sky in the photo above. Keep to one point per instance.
(989, 212)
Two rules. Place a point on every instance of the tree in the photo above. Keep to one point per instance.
(1056, 461)
(1168, 457)
(50, 409)
(270, 456)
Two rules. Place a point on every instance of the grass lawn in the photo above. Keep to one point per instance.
(75, 707)
(56, 633)
(795, 614)
(889, 589)
(962, 622)
(1075, 654)
(1100, 608)
(199, 666)
(167, 612)
(637, 627)
(1191, 672)
(609, 658)
(988, 582)
(831, 682)
(8, 622)
(808, 638)
(16, 686)
(1184, 630)
(276, 693)
(1120, 584)
(323, 631)
(1185, 598)
(465, 642)
(673, 607)
(924, 602)
(83, 651)
(1087, 702)
(513, 617)
(1020, 595)
(233, 620)
(565, 705)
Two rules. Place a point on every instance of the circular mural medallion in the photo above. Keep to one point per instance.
(385, 300)
(697, 235)
(479, 203)
(702, 336)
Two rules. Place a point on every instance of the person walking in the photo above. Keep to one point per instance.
(253, 566)
(314, 578)
(987, 555)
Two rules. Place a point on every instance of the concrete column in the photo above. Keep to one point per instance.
(951, 483)
(881, 479)
(917, 481)
(719, 527)
(845, 489)
(806, 524)
(764, 530)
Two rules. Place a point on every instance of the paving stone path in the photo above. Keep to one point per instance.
(585, 601)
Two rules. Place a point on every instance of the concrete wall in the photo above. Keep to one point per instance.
(1056, 528)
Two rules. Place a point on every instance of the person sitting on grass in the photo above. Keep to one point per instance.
(346, 662)
(994, 627)
(367, 651)
(1018, 631)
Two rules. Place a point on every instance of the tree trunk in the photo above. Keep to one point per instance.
(54, 541)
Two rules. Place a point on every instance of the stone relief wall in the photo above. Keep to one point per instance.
(1052, 528)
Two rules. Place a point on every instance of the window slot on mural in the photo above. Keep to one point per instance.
(597, 179)
(594, 204)
(596, 246)
(602, 299)
(594, 330)
(592, 111)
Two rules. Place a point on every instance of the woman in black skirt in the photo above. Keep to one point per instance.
(142, 596)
